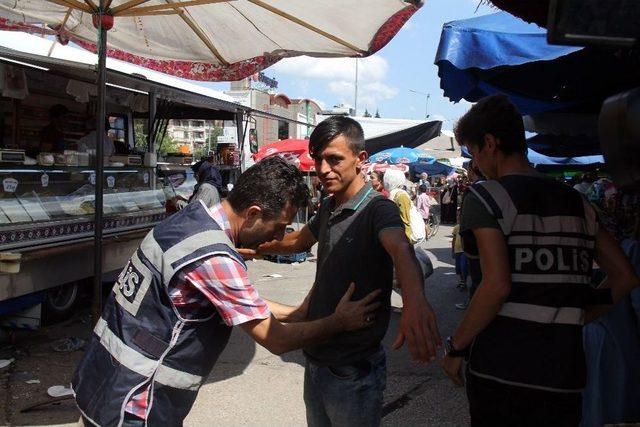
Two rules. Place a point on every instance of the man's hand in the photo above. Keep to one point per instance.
(356, 314)
(451, 366)
(419, 328)
(248, 253)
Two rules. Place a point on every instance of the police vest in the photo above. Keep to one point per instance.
(535, 341)
(142, 340)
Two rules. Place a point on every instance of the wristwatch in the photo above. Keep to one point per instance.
(450, 350)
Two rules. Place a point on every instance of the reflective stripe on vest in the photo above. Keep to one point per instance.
(543, 314)
(142, 365)
(151, 249)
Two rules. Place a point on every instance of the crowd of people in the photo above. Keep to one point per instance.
(530, 256)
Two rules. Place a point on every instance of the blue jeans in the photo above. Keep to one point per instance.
(346, 395)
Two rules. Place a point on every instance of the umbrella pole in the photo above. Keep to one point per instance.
(99, 170)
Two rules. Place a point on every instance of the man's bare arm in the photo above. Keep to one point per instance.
(280, 338)
(493, 289)
(418, 326)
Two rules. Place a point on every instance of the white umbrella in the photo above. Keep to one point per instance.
(216, 39)
(204, 40)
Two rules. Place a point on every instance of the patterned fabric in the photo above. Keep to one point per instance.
(218, 280)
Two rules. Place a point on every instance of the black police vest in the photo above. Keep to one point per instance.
(535, 341)
(142, 340)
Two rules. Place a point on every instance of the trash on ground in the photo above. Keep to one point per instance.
(274, 275)
(67, 345)
(5, 362)
(59, 391)
(32, 381)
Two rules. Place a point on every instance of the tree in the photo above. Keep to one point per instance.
(377, 114)
(366, 113)
(167, 145)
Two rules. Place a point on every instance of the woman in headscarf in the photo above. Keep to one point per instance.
(393, 182)
(209, 185)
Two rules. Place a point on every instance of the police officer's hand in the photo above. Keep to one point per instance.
(359, 314)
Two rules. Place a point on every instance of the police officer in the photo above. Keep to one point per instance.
(171, 310)
(534, 240)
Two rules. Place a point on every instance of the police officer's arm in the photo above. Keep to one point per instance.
(280, 338)
(621, 278)
(292, 243)
(289, 313)
(418, 326)
(493, 289)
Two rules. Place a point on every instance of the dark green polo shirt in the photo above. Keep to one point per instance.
(349, 250)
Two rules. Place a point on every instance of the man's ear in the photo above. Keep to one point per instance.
(252, 213)
(362, 157)
(490, 142)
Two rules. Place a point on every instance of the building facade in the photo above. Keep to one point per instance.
(265, 130)
(193, 133)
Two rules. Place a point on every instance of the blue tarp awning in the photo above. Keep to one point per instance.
(538, 159)
(474, 56)
(501, 53)
(564, 146)
(432, 168)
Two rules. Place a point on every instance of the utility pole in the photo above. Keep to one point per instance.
(355, 104)
(426, 108)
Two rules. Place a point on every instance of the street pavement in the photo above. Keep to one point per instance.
(250, 386)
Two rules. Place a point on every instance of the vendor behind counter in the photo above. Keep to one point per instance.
(52, 136)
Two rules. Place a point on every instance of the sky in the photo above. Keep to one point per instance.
(386, 78)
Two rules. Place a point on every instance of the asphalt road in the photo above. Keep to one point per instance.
(249, 386)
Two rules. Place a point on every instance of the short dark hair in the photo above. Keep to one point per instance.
(271, 184)
(495, 115)
(422, 188)
(331, 128)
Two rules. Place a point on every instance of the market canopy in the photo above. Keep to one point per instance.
(400, 155)
(432, 168)
(540, 160)
(295, 151)
(480, 56)
(410, 137)
(219, 40)
(564, 146)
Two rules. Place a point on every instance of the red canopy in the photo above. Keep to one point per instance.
(294, 150)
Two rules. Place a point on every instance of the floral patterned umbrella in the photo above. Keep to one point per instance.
(220, 40)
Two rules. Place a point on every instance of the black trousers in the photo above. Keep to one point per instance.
(494, 404)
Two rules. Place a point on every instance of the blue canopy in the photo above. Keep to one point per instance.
(564, 146)
(432, 168)
(538, 159)
(400, 155)
(475, 54)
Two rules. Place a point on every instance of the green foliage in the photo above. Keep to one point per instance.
(366, 113)
(377, 114)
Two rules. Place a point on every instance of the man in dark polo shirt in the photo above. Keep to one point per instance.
(361, 238)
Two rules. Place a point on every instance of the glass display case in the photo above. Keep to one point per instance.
(43, 205)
